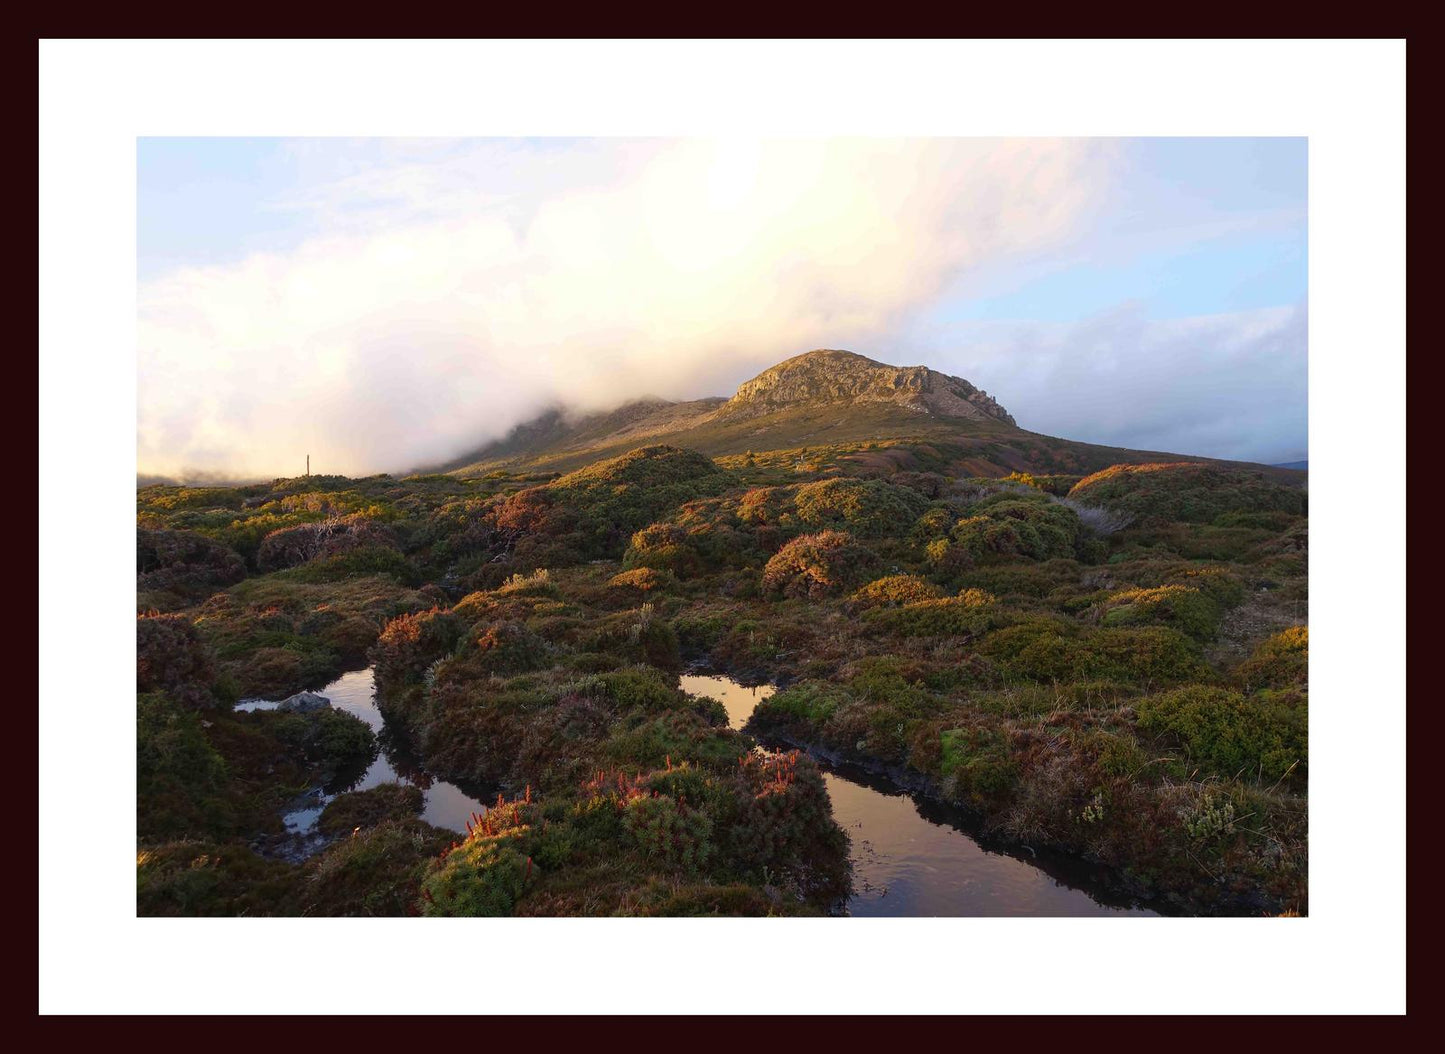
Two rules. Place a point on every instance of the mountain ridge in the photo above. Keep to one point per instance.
(823, 398)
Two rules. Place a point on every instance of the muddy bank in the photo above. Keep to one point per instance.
(1103, 883)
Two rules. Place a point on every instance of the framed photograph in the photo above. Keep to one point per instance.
(760, 522)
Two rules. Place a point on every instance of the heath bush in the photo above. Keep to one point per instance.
(894, 590)
(977, 761)
(1190, 492)
(663, 547)
(1281, 661)
(487, 873)
(291, 546)
(185, 563)
(1228, 734)
(866, 508)
(643, 580)
(1185, 608)
(388, 801)
(943, 617)
(816, 565)
(172, 657)
(411, 643)
(1009, 528)
(376, 872)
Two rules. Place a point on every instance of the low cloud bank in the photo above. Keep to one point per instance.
(438, 312)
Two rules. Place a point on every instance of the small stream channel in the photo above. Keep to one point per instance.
(446, 804)
(913, 857)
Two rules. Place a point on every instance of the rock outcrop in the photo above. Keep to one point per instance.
(303, 703)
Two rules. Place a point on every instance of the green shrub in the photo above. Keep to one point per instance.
(376, 872)
(340, 744)
(411, 643)
(360, 562)
(182, 782)
(638, 637)
(593, 662)
(331, 537)
(978, 762)
(669, 832)
(1147, 655)
(171, 657)
(1187, 609)
(1228, 734)
(663, 547)
(1268, 521)
(768, 506)
(1190, 492)
(1219, 583)
(866, 508)
(1054, 650)
(1039, 649)
(537, 584)
(1281, 661)
(166, 497)
(639, 688)
(808, 703)
(185, 563)
(782, 827)
(511, 648)
(935, 521)
(197, 878)
(712, 711)
(388, 801)
(1055, 485)
(947, 616)
(488, 872)
(894, 589)
(658, 644)
(1115, 753)
(618, 497)
(1021, 582)
(642, 580)
(1005, 529)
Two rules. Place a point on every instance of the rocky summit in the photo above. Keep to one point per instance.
(829, 376)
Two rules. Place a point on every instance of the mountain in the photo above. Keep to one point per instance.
(1298, 466)
(829, 399)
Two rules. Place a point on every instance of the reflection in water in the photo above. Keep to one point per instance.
(738, 699)
(447, 805)
(908, 863)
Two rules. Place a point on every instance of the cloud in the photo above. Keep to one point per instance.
(1230, 386)
(450, 298)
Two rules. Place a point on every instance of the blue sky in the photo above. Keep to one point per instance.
(1192, 227)
(1224, 274)
(216, 200)
(1142, 292)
